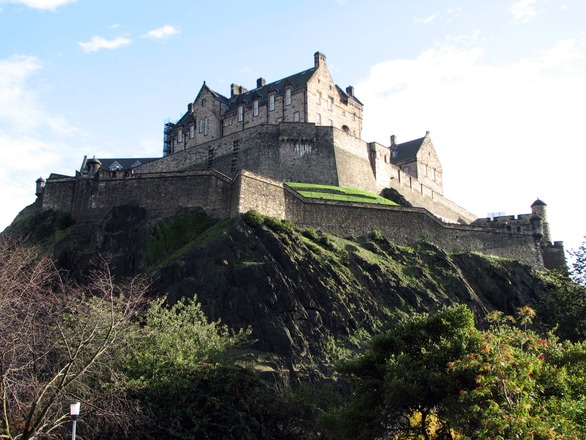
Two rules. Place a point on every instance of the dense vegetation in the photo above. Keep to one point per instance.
(145, 369)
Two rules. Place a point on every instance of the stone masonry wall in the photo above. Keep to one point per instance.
(407, 226)
(163, 194)
(160, 195)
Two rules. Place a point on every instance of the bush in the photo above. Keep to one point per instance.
(253, 218)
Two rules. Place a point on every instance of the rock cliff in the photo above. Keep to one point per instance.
(301, 291)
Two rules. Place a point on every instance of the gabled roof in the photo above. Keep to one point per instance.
(407, 150)
(124, 164)
(295, 81)
(214, 94)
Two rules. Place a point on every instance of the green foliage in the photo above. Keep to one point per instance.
(41, 233)
(279, 226)
(563, 309)
(578, 270)
(175, 340)
(253, 218)
(526, 386)
(168, 237)
(63, 221)
(403, 372)
(212, 402)
(503, 382)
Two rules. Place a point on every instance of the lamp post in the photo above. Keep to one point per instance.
(74, 411)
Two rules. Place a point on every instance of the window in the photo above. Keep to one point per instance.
(240, 113)
(205, 127)
(272, 102)
(203, 102)
(330, 103)
(279, 120)
(201, 126)
(180, 135)
(318, 98)
(331, 123)
(191, 131)
(296, 116)
(288, 96)
(318, 118)
(255, 107)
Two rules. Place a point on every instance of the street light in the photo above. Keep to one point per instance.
(74, 411)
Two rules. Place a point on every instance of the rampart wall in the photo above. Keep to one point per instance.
(163, 194)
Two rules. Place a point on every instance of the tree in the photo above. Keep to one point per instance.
(57, 343)
(527, 386)
(503, 382)
(578, 270)
(404, 374)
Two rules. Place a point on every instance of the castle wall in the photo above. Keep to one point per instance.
(59, 194)
(160, 194)
(407, 226)
(254, 192)
(353, 163)
(287, 152)
(163, 194)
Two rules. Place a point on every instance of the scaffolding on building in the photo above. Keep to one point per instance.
(168, 138)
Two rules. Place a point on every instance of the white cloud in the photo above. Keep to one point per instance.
(98, 43)
(506, 133)
(429, 19)
(40, 4)
(523, 10)
(32, 140)
(162, 32)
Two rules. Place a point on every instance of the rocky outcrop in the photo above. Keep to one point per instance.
(299, 290)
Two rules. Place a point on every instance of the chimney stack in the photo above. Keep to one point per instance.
(393, 140)
(350, 90)
(260, 82)
(319, 59)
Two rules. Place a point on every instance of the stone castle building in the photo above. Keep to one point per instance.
(232, 154)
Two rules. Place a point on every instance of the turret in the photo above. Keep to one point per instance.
(539, 209)
(40, 186)
(93, 166)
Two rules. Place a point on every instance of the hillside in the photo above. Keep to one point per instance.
(301, 291)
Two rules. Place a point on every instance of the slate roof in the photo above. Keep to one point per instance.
(124, 164)
(407, 150)
(295, 81)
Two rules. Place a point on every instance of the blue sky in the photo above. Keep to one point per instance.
(501, 85)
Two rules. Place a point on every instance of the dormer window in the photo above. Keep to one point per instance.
(288, 96)
(191, 131)
(271, 102)
(115, 166)
(180, 135)
(240, 113)
(255, 107)
(205, 127)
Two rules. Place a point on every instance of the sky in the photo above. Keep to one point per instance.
(500, 84)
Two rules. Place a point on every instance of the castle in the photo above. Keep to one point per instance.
(233, 154)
